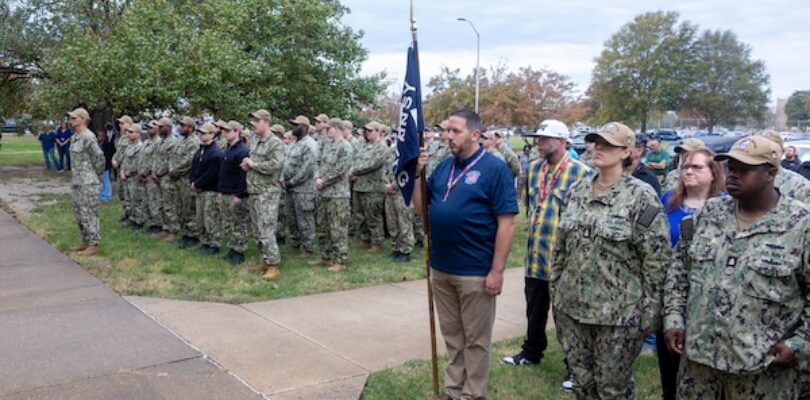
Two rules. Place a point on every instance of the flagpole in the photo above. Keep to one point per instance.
(434, 360)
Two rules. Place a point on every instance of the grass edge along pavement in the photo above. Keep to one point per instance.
(138, 264)
(412, 379)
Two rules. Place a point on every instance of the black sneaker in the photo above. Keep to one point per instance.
(237, 258)
(229, 255)
(123, 218)
(134, 225)
(203, 248)
(418, 244)
(395, 254)
(154, 229)
(403, 258)
(181, 241)
(518, 359)
(190, 242)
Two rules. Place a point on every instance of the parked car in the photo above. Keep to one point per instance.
(665, 135)
(718, 144)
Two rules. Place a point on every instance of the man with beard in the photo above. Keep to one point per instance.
(146, 166)
(298, 180)
(179, 168)
(168, 188)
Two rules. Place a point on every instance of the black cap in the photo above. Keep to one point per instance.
(641, 140)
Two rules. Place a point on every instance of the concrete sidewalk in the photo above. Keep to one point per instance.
(322, 346)
(65, 335)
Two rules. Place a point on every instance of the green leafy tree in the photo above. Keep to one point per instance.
(644, 68)
(728, 87)
(797, 107)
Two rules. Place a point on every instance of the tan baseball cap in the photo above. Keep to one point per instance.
(125, 118)
(773, 136)
(153, 124)
(234, 125)
(165, 121)
(488, 134)
(188, 121)
(262, 114)
(301, 119)
(83, 114)
(136, 128)
(322, 118)
(691, 144)
(221, 124)
(754, 150)
(346, 124)
(277, 129)
(373, 125)
(615, 133)
(336, 123)
(442, 125)
(208, 128)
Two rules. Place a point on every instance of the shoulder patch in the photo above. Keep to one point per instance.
(687, 228)
(648, 215)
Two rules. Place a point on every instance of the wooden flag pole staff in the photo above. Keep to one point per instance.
(434, 361)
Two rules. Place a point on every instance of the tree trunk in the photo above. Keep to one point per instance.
(644, 123)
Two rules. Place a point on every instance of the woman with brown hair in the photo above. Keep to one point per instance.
(701, 178)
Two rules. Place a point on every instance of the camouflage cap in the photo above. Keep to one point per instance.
(615, 133)
(442, 125)
(336, 123)
(372, 126)
(221, 124)
(188, 121)
(754, 150)
(234, 125)
(152, 124)
(134, 128)
(346, 124)
(277, 129)
(165, 121)
(83, 114)
(301, 119)
(773, 136)
(262, 114)
(691, 144)
(208, 128)
(322, 118)
(125, 118)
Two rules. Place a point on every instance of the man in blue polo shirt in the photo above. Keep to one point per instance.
(472, 207)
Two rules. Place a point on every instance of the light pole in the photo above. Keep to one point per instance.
(477, 56)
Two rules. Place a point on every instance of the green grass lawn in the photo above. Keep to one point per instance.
(20, 150)
(413, 379)
(136, 263)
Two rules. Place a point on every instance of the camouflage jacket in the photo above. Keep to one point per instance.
(511, 158)
(334, 169)
(164, 152)
(437, 152)
(222, 143)
(131, 159)
(121, 142)
(183, 155)
(793, 185)
(738, 293)
(370, 168)
(267, 156)
(609, 262)
(301, 164)
(149, 155)
(671, 180)
(87, 159)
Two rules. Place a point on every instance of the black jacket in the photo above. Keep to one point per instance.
(205, 167)
(645, 174)
(232, 178)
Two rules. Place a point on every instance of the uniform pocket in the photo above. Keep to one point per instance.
(771, 277)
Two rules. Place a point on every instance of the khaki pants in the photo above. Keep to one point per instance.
(466, 316)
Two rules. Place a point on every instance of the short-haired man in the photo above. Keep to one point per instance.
(134, 194)
(168, 187)
(369, 186)
(232, 188)
(146, 166)
(637, 169)
(791, 161)
(657, 159)
(121, 142)
(472, 207)
(179, 169)
(298, 179)
(203, 181)
(88, 164)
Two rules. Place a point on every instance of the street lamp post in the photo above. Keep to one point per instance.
(477, 56)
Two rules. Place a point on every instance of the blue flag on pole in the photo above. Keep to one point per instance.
(411, 125)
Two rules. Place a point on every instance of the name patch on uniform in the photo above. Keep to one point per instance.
(472, 177)
(648, 216)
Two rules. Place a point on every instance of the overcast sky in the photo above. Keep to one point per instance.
(566, 35)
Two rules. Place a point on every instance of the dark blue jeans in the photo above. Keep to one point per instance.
(50, 157)
(64, 157)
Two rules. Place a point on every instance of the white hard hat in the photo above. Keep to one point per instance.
(553, 129)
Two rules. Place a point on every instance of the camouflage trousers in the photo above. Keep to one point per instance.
(134, 200)
(207, 217)
(357, 214)
(301, 217)
(154, 215)
(804, 379)
(320, 218)
(418, 227)
(281, 230)
(263, 217)
(234, 223)
(169, 203)
(119, 185)
(85, 209)
(600, 357)
(335, 239)
(187, 208)
(399, 221)
(697, 381)
(372, 205)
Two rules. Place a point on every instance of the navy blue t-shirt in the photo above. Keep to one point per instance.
(463, 228)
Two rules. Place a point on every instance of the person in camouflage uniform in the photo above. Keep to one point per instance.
(232, 188)
(121, 142)
(88, 164)
(488, 141)
(134, 195)
(146, 166)
(179, 168)
(281, 230)
(608, 270)
(263, 168)
(219, 139)
(356, 218)
(789, 183)
(369, 186)
(168, 187)
(298, 179)
(508, 153)
(332, 183)
(398, 216)
(438, 151)
(737, 303)
(203, 179)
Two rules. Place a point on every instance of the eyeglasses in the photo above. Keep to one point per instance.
(694, 167)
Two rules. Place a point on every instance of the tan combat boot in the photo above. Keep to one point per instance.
(170, 237)
(337, 267)
(318, 263)
(271, 273)
(260, 268)
(91, 250)
(373, 248)
(80, 247)
(365, 245)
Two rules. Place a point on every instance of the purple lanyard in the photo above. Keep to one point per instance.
(452, 182)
